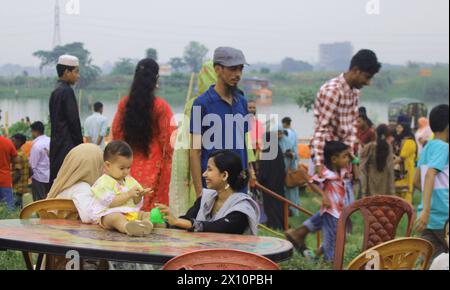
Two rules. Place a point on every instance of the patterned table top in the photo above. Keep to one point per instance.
(59, 236)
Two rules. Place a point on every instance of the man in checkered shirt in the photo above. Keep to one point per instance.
(336, 106)
(335, 116)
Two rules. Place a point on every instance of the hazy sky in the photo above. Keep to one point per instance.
(266, 30)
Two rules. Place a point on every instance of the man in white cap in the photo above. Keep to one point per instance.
(222, 102)
(64, 115)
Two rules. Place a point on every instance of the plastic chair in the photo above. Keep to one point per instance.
(49, 209)
(52, 209)
(220, 259)
(399, 254)
(381, 215)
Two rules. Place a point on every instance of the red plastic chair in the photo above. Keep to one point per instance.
(381, 215)
(220, 259)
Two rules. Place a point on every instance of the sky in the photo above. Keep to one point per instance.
(266, 30)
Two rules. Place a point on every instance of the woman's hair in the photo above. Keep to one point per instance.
(382, 151)
(362, 111)
(226, 160)
(138, 119)
(366, 120)
(406, 134)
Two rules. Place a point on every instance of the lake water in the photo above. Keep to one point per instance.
(302, 121)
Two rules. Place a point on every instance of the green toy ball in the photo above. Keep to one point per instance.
(156, 216)
(356, 161)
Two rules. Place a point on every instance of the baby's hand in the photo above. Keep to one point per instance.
(134, 192)
(146, 191)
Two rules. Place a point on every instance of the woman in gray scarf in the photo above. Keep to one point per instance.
(222, 208)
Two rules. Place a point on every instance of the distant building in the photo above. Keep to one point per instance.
(165, 70)
(335, 56)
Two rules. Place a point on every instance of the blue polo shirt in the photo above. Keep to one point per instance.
(222, 126)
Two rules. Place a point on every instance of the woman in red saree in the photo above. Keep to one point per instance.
(144, 121)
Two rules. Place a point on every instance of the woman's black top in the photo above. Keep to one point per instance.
(234, 223)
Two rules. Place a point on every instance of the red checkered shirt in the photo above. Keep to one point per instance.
(335, 116)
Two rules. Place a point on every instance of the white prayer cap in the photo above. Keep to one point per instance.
(68, 60)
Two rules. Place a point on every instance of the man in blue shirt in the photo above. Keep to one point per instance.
(291, 134)
(95, 126)
(220, 117)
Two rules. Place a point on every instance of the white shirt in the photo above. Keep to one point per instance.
(39, 159)
(95, 126)
(82, 197)
(440, 263)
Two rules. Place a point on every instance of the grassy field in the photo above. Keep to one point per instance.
(10, 260)
(353, 244)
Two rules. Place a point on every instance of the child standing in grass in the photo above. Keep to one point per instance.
(333, 190)
(118, 196)
(377, 166)
(432, 179)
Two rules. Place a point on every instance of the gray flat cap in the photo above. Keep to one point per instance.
(228, 56)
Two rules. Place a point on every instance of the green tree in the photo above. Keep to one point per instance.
(88, 72)
(152, 53)
(20, 128)
(177, 63)
(306, 99)
(383, 80)
(437, 90)
(194, 55)
(124, 66)
(292, 65)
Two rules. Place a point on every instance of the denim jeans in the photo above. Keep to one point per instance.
(328, 224)
(7, 197)
(17, 200)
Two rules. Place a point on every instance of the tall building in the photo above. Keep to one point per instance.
(335, 56)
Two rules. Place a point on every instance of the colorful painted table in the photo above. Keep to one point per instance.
(57, 237)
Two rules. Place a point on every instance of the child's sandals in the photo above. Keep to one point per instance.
(300, 247)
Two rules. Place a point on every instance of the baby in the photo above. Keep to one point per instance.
(118, 197)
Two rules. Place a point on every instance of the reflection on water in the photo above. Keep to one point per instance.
(302, 121)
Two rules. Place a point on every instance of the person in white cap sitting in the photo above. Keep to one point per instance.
(64, 116)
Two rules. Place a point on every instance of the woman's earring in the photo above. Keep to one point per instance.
(227, 186)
